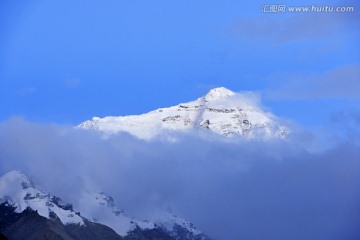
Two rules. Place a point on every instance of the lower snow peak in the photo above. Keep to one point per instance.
(19, 191)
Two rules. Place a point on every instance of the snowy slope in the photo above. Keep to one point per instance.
(220, 111)
(180, 228)
(101, 208)
(19, 191)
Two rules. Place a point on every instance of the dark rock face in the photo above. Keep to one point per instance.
(29, 225)
(2, 237)
(93, 231)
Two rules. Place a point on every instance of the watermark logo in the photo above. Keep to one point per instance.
(279, 8)
(273, 8)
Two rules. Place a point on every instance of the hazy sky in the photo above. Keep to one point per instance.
(66, 61)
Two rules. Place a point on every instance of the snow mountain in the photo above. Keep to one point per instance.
(23, 205)
(20, 192)
(101, 208)
(220, 111)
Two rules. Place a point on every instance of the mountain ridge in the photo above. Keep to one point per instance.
(220, 111)
(23, 201)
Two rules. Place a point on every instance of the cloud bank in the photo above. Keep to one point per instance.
(230, 190)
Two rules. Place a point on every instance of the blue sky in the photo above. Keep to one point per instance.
(66, 61)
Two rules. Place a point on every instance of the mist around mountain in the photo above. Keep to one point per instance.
(304, 186)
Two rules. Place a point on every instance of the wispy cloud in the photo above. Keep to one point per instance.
(27, 90)
(338, 83)
(72, 83)
(347, 122)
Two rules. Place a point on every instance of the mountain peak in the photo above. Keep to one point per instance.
(218, 93)
(17, 178)
(19, 191)
(220, 111)
(14, 174)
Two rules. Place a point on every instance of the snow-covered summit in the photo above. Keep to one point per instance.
(17, 178)
(218, 93)
(220, 111)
